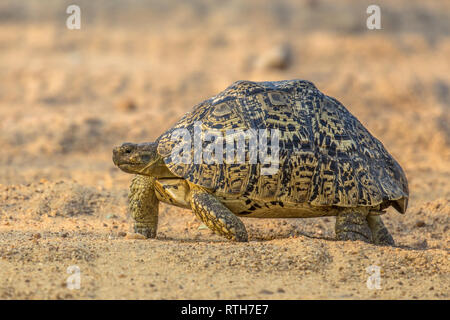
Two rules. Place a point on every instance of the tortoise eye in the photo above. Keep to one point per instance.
(127, 147)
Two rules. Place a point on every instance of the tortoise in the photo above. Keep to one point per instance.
(328, 165)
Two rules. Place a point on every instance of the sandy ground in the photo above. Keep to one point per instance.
(67, 97)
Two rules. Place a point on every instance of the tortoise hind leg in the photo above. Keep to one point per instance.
(351, 224)
(380, 233)
(217, 217)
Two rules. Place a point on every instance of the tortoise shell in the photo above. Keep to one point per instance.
(326, 156)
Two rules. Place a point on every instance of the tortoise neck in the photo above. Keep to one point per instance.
(157, 167)
(160, 170)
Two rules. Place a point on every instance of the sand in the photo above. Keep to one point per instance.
(67, 97)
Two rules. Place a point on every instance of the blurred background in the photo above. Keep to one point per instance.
(135, 67)
(67, 97)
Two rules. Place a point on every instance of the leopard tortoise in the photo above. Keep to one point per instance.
(328, 165)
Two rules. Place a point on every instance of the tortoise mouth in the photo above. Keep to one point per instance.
(127, 167)
(131, 167)
(140, 163)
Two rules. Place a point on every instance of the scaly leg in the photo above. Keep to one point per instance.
(216, 216)
(380, 233)
(143, 205)
(351, 224)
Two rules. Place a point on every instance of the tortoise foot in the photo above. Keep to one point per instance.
(380, 233)
(353, 225)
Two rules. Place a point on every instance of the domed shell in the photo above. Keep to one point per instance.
(326, 156)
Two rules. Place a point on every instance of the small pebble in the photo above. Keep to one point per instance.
(264, 291)
(126, 105)
(420, 224)
(278, 57)
(422, 244)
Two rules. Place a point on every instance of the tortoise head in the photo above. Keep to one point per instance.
(137, 158)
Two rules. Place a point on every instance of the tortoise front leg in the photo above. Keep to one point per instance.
(217, 217)
(143, 205)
